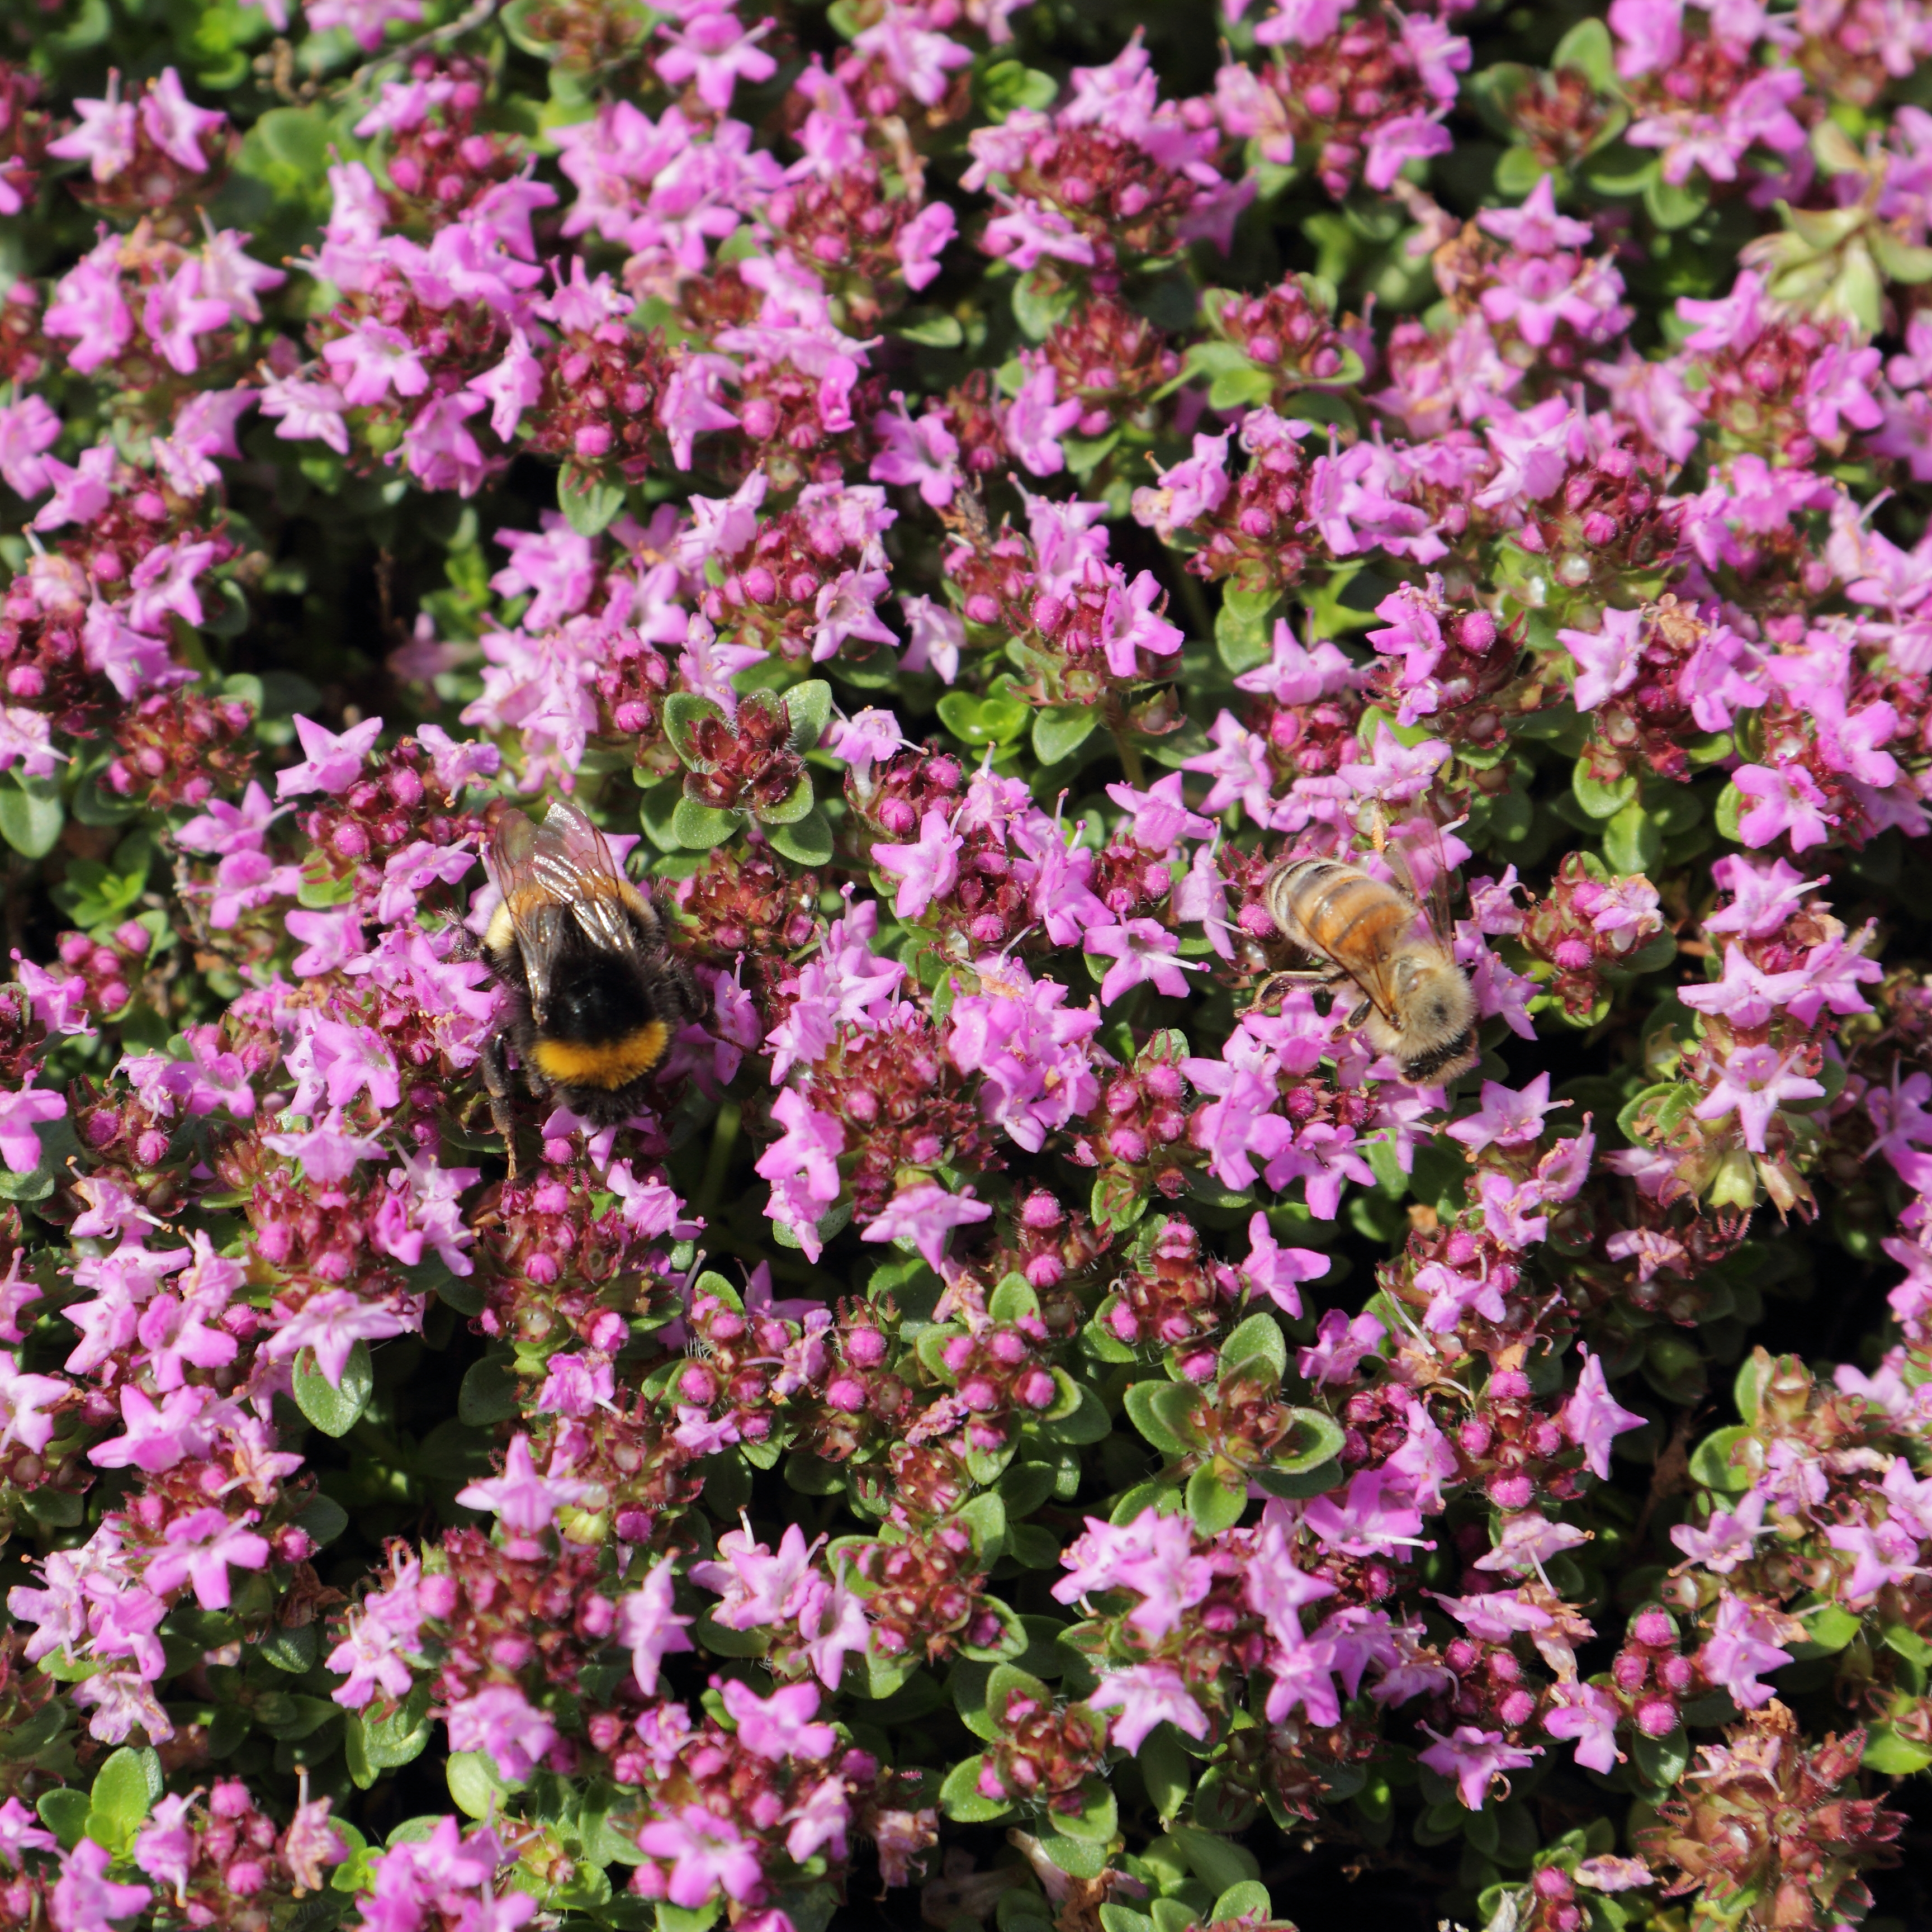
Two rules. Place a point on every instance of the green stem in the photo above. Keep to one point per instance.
(1114, 712)
(718, 1162)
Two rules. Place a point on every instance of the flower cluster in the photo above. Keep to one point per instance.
(1125, 591)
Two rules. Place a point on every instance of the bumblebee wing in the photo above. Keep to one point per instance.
(529, 911)
(573, 866)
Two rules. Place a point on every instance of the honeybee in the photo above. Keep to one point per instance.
(1416, 1004)
(592, 995)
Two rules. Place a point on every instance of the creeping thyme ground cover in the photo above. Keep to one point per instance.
(1030, 1425)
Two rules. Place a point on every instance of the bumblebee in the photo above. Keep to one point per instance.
(591, 996)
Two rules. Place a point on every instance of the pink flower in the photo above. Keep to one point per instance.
(1276, 1271)
(156, 1439)
(1589, 1714)
(926, 870)
(924, 1214)
(373, 359)
(1753, 1083)
(24, 1398)
(922, 452)
(333, 761)
(759, 1586)
(1034, 421)
(1130, 624)
(1403, 138)
(85, 1899)
(199, 1549)
(715, 50)
(1374, 1517)
(1472, 1757)
(523, 1500)
(1591, 1417)
(1738, 1650)
(331, 1324)
(1143, 950)
(1609, 658)
(708, 1854)
(1785, 800)
(306, 411)
(778, 1726)
(1340, 1344)
(20, 1113)
(648, 1626)
(1143, 1696)
(1746, 995)
(105, 138)
(88, 306)
(1507, 1118)
(501, 1720)
(27, 429)
(175, 124)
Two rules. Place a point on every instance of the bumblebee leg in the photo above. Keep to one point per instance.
(496, 1066)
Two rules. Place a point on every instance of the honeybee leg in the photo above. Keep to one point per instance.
(496, 1066)
(1276, 983)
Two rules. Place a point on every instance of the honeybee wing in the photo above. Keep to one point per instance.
(1416, 853)
(561, 871)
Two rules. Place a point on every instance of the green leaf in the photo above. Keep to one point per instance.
(31, 815)
(1302, 1483)
(1014, 1299)
(475, 1783)
(1089, 1422)
(1041, 302)
(932, 331)
(701, 827)
(1598, 799)
(291, 1650)
(490, 1392)
(808, 709)
(809, 842)
(1238, 388)
(797, 804)
(982, 721)
(684, 711)
(1632, 840)
(1218, 1863)
(123, 1788)
(1711, 1465)
(1076, 1857)
(1166, 1770)
(1009, 85)
(1885, 1752)
(334, 1407)
(287, 151)
(1244, 629)
(1168, 1414)
(1259, 1336)
(960, 1798)
(1672, 208)
(324, 1519)
(1248, 1900)
(1216, 1501)
(1059, 731)
(1312, 1440)
(1098, 1818)
(64, 1812)
(1586, 48)
(1662, 1761)
(589, 504)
